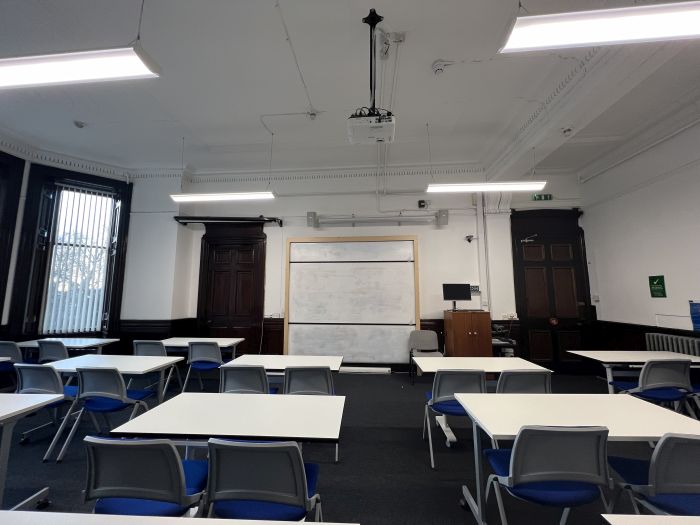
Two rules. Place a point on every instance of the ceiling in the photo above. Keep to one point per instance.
(226, 63)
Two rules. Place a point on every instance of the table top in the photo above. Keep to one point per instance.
(488, 364)
(223, 342)
(69, 518)
(71, 342)
(17, 405)
(631, 356)
(250, 416)
(638, 519)
(626, 417)
(126, 364)
(3, 359)
(280, 362)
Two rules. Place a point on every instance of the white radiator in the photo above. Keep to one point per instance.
(673, 343)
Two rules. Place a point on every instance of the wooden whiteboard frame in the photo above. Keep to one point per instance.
(379, 238)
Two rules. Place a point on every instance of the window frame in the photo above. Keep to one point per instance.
(11, 174)
(28, 295)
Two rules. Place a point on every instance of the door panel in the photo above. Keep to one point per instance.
(564, 282)
(540, 345)
(536, 292)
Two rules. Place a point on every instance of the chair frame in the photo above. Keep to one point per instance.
(259, 371)
(646, 384)
(413, 347)
(506, 374)
(191, 346)
(161, 352)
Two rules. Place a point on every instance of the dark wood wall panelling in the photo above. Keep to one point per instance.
(11, 170)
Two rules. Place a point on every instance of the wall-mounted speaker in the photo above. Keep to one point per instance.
(442, 217)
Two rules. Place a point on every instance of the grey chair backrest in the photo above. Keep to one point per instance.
(149, 348)
(272, 472)
(51, 351)
(101, 382)
(559, 454)
(143, 468)
(423, 340)
(666, 373)
(308, 380)
(449, 382)
(524, 382)
(204, 351)
(244, 379)
(674, 465)
(11, 350)
(37, 379)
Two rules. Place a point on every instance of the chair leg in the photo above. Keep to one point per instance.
(319, 513)
(607, 505)
(60, 430)
(430, 438)
(635, 505)
(201, 384)
(133, 412)
(178, 376)
(95, 423)
(499, 501)
(565, 516)
(425, 421)
(71, 434)
(187, 378)
(337, 446)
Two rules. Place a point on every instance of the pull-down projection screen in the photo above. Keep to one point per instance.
(352, 296)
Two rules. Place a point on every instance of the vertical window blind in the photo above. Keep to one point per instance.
(79, 256)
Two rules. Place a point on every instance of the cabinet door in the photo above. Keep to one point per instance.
(481, 335)
(458, 333)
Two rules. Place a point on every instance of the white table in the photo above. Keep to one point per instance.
(3, 359)
(126, 364)
(281, 362)
(183, 342)
(637, 519)
(75, 343)
(14, 407)
(611, 359)
(69, 518)
(491, 365)
(198, 416)
(502, 415)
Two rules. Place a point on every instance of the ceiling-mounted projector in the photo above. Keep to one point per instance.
(371, 125)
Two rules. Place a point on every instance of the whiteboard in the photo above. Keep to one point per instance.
(354, 298)
(352, 292)
(357, 344)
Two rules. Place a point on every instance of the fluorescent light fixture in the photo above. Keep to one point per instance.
(649, 23)
(477, 187)
(222, 197)
(77, 67)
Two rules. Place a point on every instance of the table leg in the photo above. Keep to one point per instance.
(609, 378)
(161, 385)
(5, 443)
(477, 506)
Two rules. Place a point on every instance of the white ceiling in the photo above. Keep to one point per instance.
(225, 63)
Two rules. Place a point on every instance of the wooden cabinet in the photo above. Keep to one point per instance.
(468, 333)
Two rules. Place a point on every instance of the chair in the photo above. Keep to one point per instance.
(524, 382)
(441, 400)
(670, 482)
(243, 379)
(554, 466)
(202, 356)
(100, 391)
(157, 349)
(40, 379)
(424, 342)
(50, 351)
(141, 477)
(662, 381)
(11, 350)
(308, 380)
(255, 481)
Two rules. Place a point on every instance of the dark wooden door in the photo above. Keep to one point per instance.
(551, 285)
(232, 283)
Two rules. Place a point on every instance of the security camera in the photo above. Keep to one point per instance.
(469, 238)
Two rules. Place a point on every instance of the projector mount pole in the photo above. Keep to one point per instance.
(372, 19)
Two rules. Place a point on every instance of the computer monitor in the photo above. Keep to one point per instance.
(456, 292)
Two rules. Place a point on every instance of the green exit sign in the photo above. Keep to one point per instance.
(541, 196)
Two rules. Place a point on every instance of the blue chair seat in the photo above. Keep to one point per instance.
(203, 366)
(678, 504)
(450, 408)
(550, 493)
(7, 366)
(105, 404)
(632, 471)
(653, 394)
(263, 510)
(195, 479)
(140, 395)
(274, 389)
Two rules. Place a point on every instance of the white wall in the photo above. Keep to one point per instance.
(642, 218)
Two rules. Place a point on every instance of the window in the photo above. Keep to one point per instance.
(79, 255)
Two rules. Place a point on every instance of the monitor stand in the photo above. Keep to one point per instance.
(454, 306)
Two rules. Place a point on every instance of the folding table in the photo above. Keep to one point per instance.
(611, 359)
(638, 519)
(14, 407)
(69, 518)
(281, 362)
(72, 343)
(501, 416)
(181, 343)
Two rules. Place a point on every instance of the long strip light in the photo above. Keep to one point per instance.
(649, 23)
(478, 187)
(77, 67)
(222, 197)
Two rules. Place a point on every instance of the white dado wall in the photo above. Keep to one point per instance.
(162, 269)
(642, 218)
